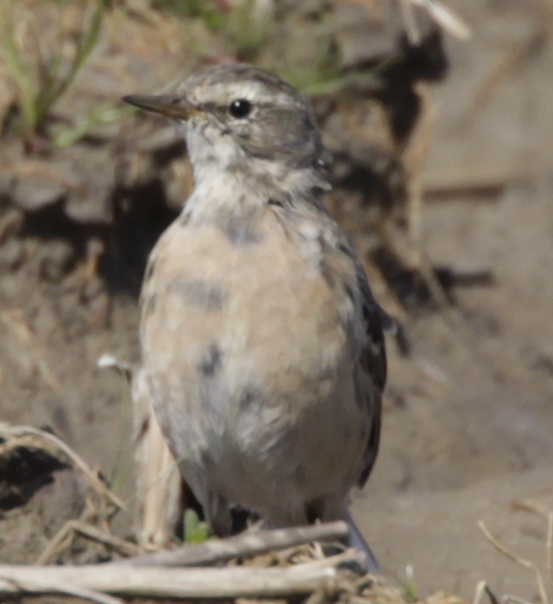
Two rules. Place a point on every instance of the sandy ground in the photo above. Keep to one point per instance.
(468, 422)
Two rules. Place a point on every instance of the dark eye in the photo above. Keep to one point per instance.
(240, 108)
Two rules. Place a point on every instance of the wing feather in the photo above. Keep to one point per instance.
(372, 367)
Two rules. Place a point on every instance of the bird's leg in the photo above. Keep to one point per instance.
(357, 541)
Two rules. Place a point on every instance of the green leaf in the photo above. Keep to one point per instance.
(195, 530)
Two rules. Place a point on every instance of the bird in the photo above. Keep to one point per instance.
(262, 346)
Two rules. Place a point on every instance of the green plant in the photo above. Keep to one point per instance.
(408, 586)
(247, 27)
(315, 70)
(245, 24)
(195, 530)
(207, 10)
(63, 136)
(44, 79)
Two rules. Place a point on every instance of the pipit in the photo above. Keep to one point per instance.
(262, 345)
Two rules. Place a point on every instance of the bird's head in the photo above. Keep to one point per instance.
(244, 120)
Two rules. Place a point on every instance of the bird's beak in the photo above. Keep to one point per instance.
(171, 106)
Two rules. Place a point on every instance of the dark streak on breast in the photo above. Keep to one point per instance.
(211, 362)
(248, 396)
(240, 232)
(198, 292)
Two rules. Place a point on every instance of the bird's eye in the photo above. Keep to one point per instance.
(240, 108)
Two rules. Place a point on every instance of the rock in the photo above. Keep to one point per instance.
(35, 192)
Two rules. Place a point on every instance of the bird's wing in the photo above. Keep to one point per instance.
(369, 321)
(371, 367)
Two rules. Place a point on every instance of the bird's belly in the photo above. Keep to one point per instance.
(251, 371)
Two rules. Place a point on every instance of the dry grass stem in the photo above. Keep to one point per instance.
(483, 588)
(538, 508)
(445, 18)
(522, 561)
(410, 22)
(75, 526)
(26, 436)
(479, 591)
(549, 546)
(509, 599)
(158, 480)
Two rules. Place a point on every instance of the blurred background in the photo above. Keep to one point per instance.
(438, 116)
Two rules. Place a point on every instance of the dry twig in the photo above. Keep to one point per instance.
(508, 599)
(445, 18)
(500, 547)
(245, 545)
(483, 588)
(227, 582)
(24, 586)
(75, 526)
(537, 508)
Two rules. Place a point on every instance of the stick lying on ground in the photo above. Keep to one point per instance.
(240, 546)
(227, 582)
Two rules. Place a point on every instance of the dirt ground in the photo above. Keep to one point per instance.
(468, 422)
